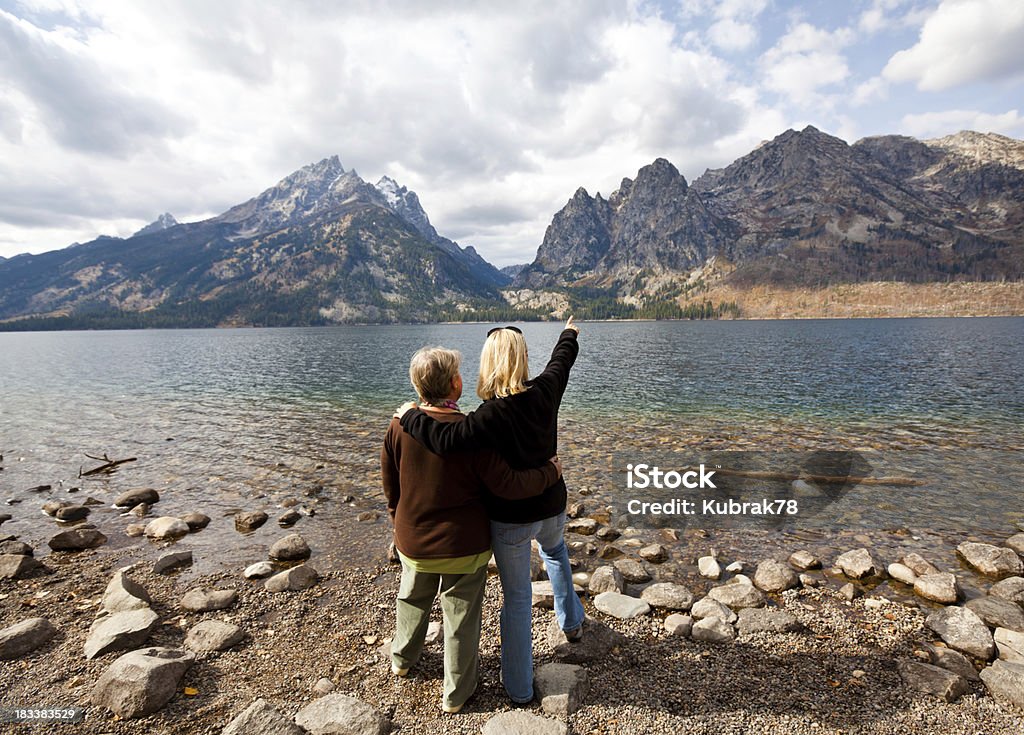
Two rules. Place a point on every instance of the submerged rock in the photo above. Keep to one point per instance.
(245, 522)
(166, 527)
(132, 498)
(77, 539)
(991, 560)
(290, 548)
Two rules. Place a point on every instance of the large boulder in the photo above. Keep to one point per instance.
(132, 498)
(766, 620)
(995, 561)
(339, 714)
(213, 635)
(941, 587)
(998, 613)
(560, 688)
(775, 576)
(632, 570)
(172, 560)
(857, 564)
(953, 661)
(518, 722)
(668, 595)
(963, 631)
(124, 594)
(292, 580)
(605, 579)
(77, 539)
(119, 631)
(919, 565)
(737, 595)
(596, 645)
(262, 718)
(712, 630)
(1010, 644)
(290, 548)
(621, 606)
(933, 680)
(17, 566)
(141, 682)
(204, 600)
(1011, 588)
(1005, 682)
(25, 637)
(902, 573)
(710, 608)
(166, 527)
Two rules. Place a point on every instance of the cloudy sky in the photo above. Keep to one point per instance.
(113, 111)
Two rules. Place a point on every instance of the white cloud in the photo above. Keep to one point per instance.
(804, 61)
(938, 124)
(964, 41)
(112, 113)
(730, 35)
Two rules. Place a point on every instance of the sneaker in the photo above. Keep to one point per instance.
(450, 709)
(398, 670)
(575, 635)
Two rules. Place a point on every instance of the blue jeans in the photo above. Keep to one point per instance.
(511, 545)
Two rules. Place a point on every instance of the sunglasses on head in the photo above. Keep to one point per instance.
(517, 330)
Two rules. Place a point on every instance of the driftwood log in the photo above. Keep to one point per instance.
(108, 466)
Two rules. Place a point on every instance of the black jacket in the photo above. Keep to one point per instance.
(522, 428)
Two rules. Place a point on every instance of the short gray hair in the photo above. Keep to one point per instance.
(432, 370)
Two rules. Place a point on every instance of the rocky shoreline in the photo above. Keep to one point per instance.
(716, 642)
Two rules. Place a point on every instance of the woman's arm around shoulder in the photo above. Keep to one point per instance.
(476, 431)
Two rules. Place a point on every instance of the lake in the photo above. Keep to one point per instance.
(221, 420)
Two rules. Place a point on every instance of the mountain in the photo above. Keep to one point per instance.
(321, 246)
(511, 271)
(163, 222)
(804, 209)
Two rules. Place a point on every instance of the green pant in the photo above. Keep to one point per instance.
(462, 601)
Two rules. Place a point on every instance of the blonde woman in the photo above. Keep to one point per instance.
(519, 419)
(441, 527)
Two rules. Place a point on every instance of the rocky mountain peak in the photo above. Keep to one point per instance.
(983, 148)
(161, 223)
(407, 205)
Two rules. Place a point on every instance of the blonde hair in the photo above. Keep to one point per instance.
(432, 370)
(503, 365)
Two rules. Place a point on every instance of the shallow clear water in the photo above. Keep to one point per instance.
(226, 419)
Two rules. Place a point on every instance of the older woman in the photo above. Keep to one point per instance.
(441, 527)
(518, 419)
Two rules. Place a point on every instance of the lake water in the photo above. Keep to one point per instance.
(227, 419)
